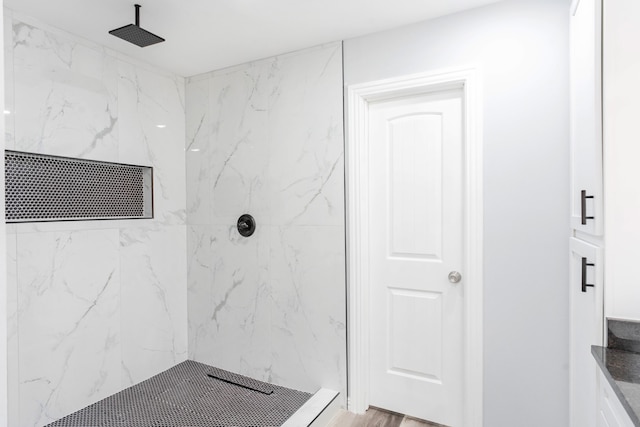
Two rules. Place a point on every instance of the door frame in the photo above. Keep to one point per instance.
(359, 96)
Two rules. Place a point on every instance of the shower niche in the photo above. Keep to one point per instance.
(51, 188)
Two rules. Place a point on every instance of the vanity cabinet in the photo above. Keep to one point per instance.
(586, 314)
(611, 413)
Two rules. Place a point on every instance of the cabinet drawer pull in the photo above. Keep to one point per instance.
(585, 285)
(583, 206)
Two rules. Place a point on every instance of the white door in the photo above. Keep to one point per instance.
(587, 328)
(416, 233)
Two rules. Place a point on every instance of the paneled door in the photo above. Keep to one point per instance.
(416, 255)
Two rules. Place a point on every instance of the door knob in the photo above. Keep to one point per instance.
(455, 277)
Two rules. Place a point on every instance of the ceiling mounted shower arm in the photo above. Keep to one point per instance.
(137, 6)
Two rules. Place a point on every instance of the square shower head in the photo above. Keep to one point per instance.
(136, 35)
(133, 33)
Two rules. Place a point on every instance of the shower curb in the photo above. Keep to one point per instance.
(317, 411)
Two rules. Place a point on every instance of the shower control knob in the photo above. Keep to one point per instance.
(246, 225)
(455, 277)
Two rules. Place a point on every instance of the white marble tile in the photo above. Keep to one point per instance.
(47, 227)
(65, 96)
(71, 98)
(305, 134)
(68, 314)
(229, 317)
(9, 109)
(271, 306)
(238, 150)
(201, 243)
(198, 135)
(153, 300)
(227, 173)
(307, 274)
(197, 114)
(13, 379)
(152, 133)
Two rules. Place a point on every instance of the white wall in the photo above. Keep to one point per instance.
(621, 158)
(94, 306)
(3, 265)
(521, 48)
(265, 138)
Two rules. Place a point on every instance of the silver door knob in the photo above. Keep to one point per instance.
(455, 277)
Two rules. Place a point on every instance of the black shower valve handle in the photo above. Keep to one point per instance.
(246, 225)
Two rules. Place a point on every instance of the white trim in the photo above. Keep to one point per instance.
(317, 411)
(358, 98)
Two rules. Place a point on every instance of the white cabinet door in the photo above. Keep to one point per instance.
(586, 116)
(586, 329)
(611, 413)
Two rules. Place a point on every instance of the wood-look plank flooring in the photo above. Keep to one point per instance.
(377, 418)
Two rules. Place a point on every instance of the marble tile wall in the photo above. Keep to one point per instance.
(266, 138)
(98, 306)
(95, 306)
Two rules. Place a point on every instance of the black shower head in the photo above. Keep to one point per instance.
(133, 33)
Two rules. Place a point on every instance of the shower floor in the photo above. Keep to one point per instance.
(187, 396)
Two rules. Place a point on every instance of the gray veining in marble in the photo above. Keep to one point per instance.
(94, 306)
(265, 138)
(100, 306)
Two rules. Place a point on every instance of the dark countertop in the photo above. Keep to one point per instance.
(623, 335)
(622, 370)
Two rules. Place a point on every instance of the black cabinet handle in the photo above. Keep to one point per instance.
(583, 206)
(585, 285)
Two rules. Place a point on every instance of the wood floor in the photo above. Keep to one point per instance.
(377, 418)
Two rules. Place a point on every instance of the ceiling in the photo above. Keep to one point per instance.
(205, 35)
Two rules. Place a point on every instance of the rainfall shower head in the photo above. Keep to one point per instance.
(133, 33)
